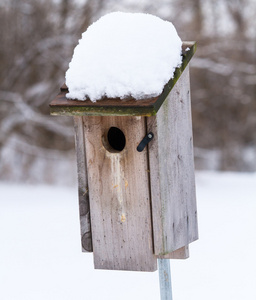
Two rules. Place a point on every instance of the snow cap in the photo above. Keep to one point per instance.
(123, 55)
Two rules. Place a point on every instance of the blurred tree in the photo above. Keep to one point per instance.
(37, 40)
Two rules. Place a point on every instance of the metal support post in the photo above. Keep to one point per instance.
(165, 279)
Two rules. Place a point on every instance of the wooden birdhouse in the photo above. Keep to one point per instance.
(136, 174)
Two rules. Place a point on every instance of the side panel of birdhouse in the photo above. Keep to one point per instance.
(181, 253)
(83, 192)
(172, 172)
(119, 194)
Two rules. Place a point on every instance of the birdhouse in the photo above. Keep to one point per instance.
(136, 174)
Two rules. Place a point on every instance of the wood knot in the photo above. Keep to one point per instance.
(123, 218)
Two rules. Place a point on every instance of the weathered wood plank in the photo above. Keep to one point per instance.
(83, 192)
(172, 171)
(119, 196)
(182, 253)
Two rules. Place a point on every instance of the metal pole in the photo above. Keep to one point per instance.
(165, 279)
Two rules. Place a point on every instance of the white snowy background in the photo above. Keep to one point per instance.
(40, 255)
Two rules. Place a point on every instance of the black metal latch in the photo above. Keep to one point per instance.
(145, 141)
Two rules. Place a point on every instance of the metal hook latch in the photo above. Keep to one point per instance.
(145, 141)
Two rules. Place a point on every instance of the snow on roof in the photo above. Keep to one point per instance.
(122, 55)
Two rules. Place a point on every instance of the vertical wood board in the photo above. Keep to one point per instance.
(83, 192)
(172, 171)
(119, 196)
(182, 253)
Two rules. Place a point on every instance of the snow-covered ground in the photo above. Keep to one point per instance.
(40, 256)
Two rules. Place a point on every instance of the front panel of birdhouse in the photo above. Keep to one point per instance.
(119, 191)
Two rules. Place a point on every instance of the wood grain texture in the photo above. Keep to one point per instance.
(83, 191)
(182, 253)
(172, 171)
(119, 196)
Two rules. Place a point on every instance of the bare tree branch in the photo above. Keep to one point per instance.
(27, 113)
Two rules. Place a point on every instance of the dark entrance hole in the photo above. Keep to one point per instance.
(116, 139)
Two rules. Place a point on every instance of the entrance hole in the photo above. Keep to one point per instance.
(116, 139)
